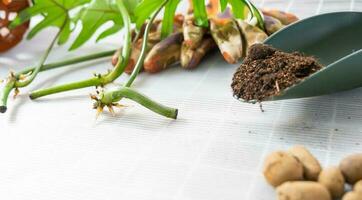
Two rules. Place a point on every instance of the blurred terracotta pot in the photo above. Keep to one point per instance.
(9, 9)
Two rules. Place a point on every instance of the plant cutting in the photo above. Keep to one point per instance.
(56, 15)
(53, 15)
(141, 46)
(104, 79)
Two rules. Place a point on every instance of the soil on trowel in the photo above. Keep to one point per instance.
(267, 71)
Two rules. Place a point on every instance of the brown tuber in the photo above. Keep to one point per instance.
(228, 38)
(351, 168)
(280, 167)
(352, 196)
(272, 24)
(356, 194)
(191, 58)
(251, 34)
(311, 165)
(332, 178)
(358, 186)
(303, 190)
(284, 17)
(164, 54)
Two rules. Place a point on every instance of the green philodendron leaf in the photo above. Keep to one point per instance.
(168, 17)
(93, 17)
(238, 8)
(98, 12)
(145, 9)
(255, 13)
(131, 6)
(110, 31)
(223, 5)
(258, 16)
(200, 13)
(55, 13)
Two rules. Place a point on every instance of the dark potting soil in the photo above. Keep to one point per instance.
(266, 71)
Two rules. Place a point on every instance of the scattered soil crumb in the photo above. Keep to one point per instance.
(261, 107)
(267, 71)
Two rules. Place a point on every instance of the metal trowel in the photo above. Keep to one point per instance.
(335, 39)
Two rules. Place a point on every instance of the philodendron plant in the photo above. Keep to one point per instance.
(92, 15)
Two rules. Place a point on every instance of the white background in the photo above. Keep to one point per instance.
(54, 148)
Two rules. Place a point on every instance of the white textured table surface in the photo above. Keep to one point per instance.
(55, 149)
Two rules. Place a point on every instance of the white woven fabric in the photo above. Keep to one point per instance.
(55, 149)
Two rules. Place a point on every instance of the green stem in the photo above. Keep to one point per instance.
(66, 87)
(109, 98)
(258, 16)
(143, 100)
(126, 50)
(41, 63)
(5, 95)
(102, 79)
(71, 61)
(142, 57)
(11, 82)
